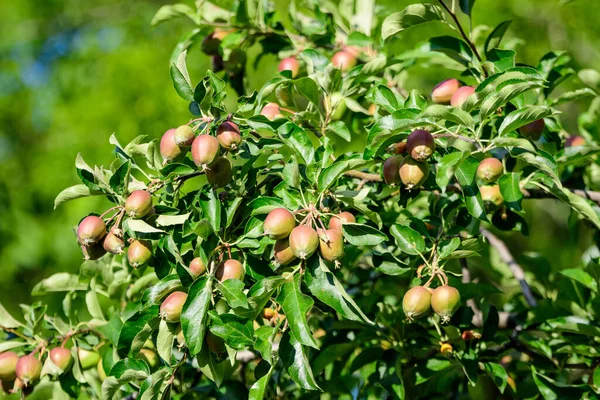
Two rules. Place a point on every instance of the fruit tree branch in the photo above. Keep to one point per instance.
(516, 269)
(364, 176)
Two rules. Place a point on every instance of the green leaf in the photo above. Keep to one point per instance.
(60, 282)
(390, 268)
(452, 114)
(211, 368)
(296, 305)
(466, 6)
(447, 247)
(542, 160)
(330, 175)
(170, 11)
(141, 226)
(494, 39)
(172, 220)
(582, 277)
(111, 385)
(264, 205)
(164, 341)
(524, 116)
(258, 296)
(233, 292)
(74, 192)
(309, 89)
(195, 313)
(295, 137)
(414, 14)
(511, 190)
(7, 320)
(590, 78)
(236, 331)
(572, 96)
(498, 374)
(465, 174)
(136, 330)
(390, 129)
(510, 142)
(446, 167)
(295, 360)
(362, 235)
(323, 284)
(258, 388)
(181, 79)
(504, 93)
(456, 49)
(120, 178)
(211, 209)
(408, 240)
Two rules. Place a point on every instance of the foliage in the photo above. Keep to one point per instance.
(326, 321)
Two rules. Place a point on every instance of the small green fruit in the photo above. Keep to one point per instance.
(184, 136)
(304, 241)
(8, 365)
(91, 230)
(205, 149)
(171, 307)
(391, 170)
(490, 169)
(279, 223)
(342, 218)
(29, 369)
(61, 357)
(420, 145)
(139, 252)
(149, 357)
(220, 172)
(413, 173)
(230, 269)
(282, 252)
(442, 93)
(445, 300)
(337, 106)
(138, 204)
(331, 244)
(416, 302)
(87, 358)
(101, 373)
(228, 136)
(197, 267)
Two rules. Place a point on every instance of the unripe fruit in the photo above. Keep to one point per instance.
(220, 172)
(343, 60)
(399, 148)
(574, 141)
(215, 344)
(168, 148)
(391, 170)
(282, 252)
(210, 44)
(217, 63)
(61, 357)
(533, 130)
(372, 109)
(87, 358)
(8, 365)
(342, 218)
(236, 61)
(205, 149)
(490, 169)
(442, 93)
(228, 136)
(304, 240)
(139, 252)
(91, 230)
(149, 357)
(184, 135)
(337, 106)
(221, 307)
(230, 269)
(101, 373)
(138, 204)
(460, 96)
(445, 300)
(416, 302)
(446, 348)
(420, 145)
(290, 64)
(170, 309)
(29, 369)
(197, 267)
(331, 244)
(113, 244)
(412, 173)
(93, 252)
(271, 111)
(279, 223)
(491, 194)
(180, 338)
(268, 313)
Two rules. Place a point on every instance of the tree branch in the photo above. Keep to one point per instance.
(516, 269)
(366, 176)
(459, 137)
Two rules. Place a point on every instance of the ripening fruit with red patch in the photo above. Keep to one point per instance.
(412, 173)
(91, 230)
(533, 130)
(271, 111)
(442, 93)
(279, 223)
(184, 136)
(205, 149)
(342, 218)
(172, 305)
(168, 148)
(491, 194)
(290, 64)
(331, 244)
(399, 148)
(215, 344)
(445, 300)
(268, 313)
(574, 141)
(282, 252)
(220, 172)
(211, 43)
(391, 170)
(138, 204)
(93, 252)
(461, 95)
(139, 252)
(8, 365)
(416, 302)
(228, 136)
(197, 267)
(420, 145)
(230, 269)
(343, 60)
(61, 357)
(304, 240)
(113, 244)
(87, 358)
(490, 169)
(28, 369)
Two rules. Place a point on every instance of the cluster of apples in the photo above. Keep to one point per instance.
(96, 240)
(418, 300)
(411, 170)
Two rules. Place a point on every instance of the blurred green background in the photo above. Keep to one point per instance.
(73, 72)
